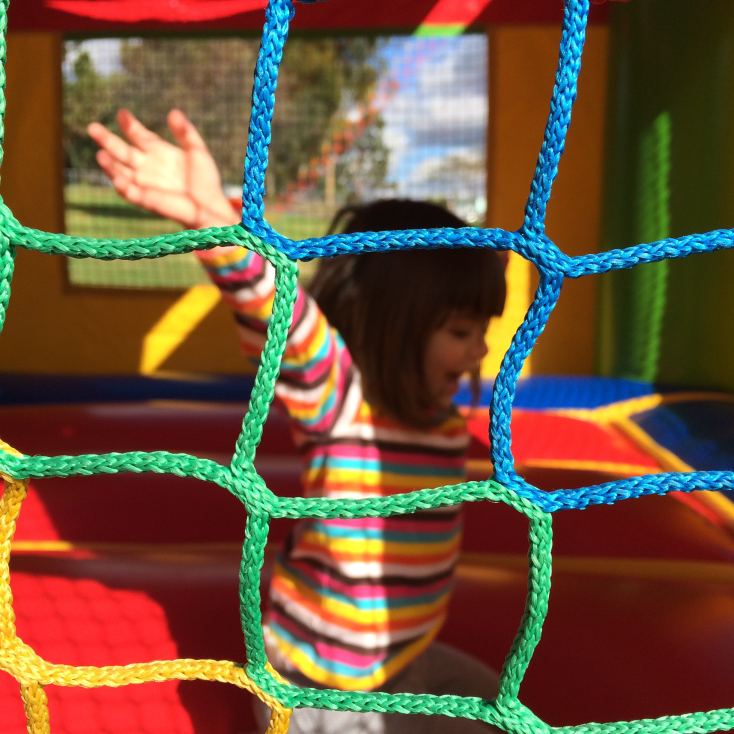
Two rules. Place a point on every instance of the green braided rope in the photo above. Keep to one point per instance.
(253, 557)
(286, 284)
(132, 249)
(7, 264)
(242, 480)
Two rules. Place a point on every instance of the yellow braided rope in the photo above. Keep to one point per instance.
(33, 672)
(35, 704)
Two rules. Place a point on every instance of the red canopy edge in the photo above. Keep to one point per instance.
(75, 16)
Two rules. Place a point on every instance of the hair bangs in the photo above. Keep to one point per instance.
(468, 281)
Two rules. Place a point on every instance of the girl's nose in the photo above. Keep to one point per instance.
(480, 347)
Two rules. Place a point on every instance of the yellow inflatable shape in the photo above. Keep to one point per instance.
(171, 329)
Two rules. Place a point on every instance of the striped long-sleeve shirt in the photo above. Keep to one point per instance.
(351, 601)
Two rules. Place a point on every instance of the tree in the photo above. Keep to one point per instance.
(321, 80)
(205, 78)
(362, 169)
(87, 96)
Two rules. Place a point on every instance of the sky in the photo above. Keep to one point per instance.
(441, 98)
(103, 52)
(437, 113)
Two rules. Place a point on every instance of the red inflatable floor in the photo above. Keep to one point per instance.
(135, 568)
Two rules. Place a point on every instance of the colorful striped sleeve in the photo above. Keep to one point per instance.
(316, 367)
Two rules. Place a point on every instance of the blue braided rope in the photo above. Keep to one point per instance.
(546, 297)
(278, 15)
(575, 19)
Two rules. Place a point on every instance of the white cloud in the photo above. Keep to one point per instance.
(466, 160)
(396, 139)
(440, 103)
(464, 62)
(457, 120)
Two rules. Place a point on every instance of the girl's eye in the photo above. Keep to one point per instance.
(460, 333)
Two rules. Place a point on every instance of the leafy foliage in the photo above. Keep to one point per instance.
(323, 82)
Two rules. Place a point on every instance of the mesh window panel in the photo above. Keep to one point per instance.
(357, 117)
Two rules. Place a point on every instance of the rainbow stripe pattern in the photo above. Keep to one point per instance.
(352, 600)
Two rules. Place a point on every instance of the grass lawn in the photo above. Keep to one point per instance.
(296, 225)
(97, 211)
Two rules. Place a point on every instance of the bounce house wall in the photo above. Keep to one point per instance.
(165, 15)
(522, 65)
(669, 173)
(54, 328)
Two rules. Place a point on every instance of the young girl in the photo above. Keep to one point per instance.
(373, 361)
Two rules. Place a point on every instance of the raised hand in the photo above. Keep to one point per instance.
(180, 182)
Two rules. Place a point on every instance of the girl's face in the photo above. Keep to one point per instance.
(454, 349)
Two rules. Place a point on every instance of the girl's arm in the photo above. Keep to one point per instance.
(316, 367)
(182, 182)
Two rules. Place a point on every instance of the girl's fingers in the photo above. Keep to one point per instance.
(113, 145)
(159, 201)
(107, 140)
(122, 181)
(154, 198)
(150, 198)
(184, 131)
(135, 131)
(112, 165)
(125, 181)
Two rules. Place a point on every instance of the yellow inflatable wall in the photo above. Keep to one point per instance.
(53, 328)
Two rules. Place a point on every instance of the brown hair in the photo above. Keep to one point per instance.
(386, 305)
